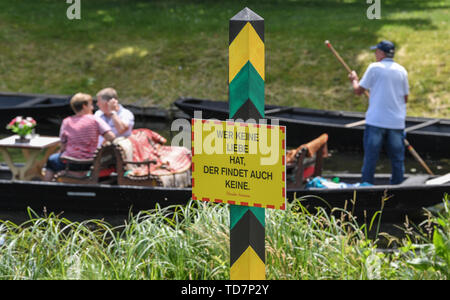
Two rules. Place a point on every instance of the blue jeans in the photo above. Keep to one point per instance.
(55, 164)
(393, 140)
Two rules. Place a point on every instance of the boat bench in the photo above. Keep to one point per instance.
(99, 169)
(131, 172)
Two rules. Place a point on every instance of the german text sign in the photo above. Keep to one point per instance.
(239, 163)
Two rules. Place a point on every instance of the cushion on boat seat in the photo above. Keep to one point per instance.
(106, 172)
(126, 148)
(146, 158)
(180, 180)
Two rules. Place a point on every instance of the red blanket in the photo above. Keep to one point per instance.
(148, 145)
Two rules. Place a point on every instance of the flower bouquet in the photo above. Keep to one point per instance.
(22, 127)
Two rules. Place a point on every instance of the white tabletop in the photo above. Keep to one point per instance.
(37, 142)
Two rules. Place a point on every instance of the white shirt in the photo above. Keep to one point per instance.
(124, 115)
(387, 82)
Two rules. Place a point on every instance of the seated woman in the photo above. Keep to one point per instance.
(79, 135)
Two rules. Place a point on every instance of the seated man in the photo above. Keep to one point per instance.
(79, 134)
(115, 115)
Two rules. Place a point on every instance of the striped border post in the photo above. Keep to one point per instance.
(246, 100)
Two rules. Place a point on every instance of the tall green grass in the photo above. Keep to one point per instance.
(192, 242)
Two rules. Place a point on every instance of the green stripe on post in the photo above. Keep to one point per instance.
(247, 85)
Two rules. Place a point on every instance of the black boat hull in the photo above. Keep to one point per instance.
(106, 200)
(304, 125)
(399, 201)
(87, 200)
(50, 110)
(38, 106)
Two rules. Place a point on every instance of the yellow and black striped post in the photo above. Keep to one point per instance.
(246, 100)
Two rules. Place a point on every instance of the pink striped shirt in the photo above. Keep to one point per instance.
(80, 134)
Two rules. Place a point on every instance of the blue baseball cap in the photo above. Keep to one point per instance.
(385, 46)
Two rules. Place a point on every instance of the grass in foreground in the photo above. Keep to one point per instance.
(193, 243)
(153, 52)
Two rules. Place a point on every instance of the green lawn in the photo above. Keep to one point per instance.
(153, 52)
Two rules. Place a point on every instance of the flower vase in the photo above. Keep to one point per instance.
(22, 140)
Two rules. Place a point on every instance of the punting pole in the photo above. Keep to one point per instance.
(246, 100)
(417, 156)
(407, 144)
(339, 58)
(327, 42)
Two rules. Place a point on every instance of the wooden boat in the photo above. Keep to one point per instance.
(406, 199)
(38, 106)
(107, 199)
(86, 199)
(430, 136)
(100, 199)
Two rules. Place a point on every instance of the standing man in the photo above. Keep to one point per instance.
(114, 114)
(387, 82)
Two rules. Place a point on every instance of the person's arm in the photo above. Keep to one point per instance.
(109, 136)
(62, 137)
(120, 125)
(406, 86)
(357, 89)
(62, 147)
(105, 130)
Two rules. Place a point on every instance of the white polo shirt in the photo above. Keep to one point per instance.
(124, 115)
(387, 82)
